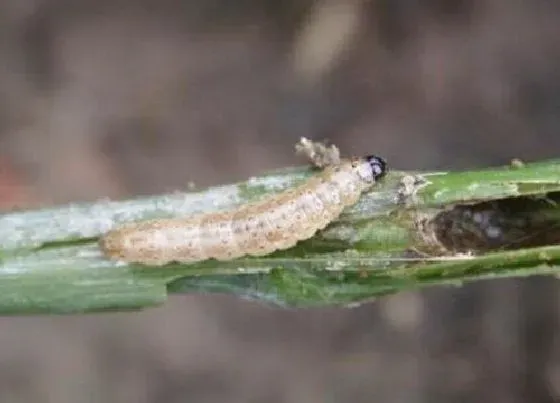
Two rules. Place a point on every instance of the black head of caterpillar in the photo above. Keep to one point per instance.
(370, 168)
(378, 166)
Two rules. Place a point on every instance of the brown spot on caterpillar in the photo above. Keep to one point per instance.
(274, 223)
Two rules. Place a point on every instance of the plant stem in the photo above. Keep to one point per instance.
(50, 261)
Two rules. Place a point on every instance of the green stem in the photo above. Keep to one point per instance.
(50, 262)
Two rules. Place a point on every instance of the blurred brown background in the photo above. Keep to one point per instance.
(126, 97)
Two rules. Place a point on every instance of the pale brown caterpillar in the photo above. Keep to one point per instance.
(274, 223)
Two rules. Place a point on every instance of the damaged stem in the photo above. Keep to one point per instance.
(412, 230)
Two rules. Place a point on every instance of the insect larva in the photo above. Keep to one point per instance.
(274, 223)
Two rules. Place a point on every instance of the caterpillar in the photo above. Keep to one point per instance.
(274, 223)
